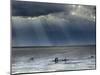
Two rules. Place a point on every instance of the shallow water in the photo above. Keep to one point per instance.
(79, 59)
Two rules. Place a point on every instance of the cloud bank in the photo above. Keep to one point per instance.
(44, 24)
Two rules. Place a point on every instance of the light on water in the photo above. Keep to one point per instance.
(79, 58)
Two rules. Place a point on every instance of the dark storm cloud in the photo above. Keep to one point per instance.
(22, 8)
(51, 30)
(49, 24)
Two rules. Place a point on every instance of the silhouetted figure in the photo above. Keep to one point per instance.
(31, 58)
(65, 60)
(92, 57)
(56, 60)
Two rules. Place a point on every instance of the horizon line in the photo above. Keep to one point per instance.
(51, 46)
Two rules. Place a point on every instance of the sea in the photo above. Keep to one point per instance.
(41, 59)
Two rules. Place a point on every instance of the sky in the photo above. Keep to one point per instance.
(52, 24)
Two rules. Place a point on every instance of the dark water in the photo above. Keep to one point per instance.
(79, 58)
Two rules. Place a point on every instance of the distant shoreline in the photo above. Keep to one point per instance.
(52, 46)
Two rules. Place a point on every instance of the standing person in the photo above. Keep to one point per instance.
(65, 60)
(56, 60)
(32, 58)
